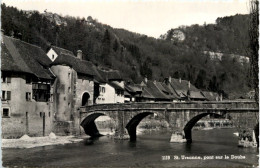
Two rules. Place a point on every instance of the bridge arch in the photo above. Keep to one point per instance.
(132, 124)
(89, 124)
(190, 124)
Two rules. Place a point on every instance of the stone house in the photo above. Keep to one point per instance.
(27, 93)
(111, 87)
(73, 87)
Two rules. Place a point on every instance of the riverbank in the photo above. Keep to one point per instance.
(32, 142)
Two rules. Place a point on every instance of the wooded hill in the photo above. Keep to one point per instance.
(137, 55)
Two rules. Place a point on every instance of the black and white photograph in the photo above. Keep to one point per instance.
(129, 83)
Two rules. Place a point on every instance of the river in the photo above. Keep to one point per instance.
(150, 150)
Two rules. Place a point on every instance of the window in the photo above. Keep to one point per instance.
(69, 75)
(5, 112)
(51, 98)
(3, 94)
(6, 79)
(3, 79)
(69, 89)
(52, 56)
(28, 80)
(28, 96)
(42, 114)
(49, 114)
(6, 95)
(103, 89)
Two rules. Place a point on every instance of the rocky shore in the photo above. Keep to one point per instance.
(30, 142)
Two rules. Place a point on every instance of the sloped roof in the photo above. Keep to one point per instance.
(126, 93)
(183, 85)
(97, 76)
(116, 86)
(196, 95)
(159, 86)
(170, 90)
(147, 94)
(19, 56)
(211, 96)
(154, 91)
(132, 88)
(66, 57)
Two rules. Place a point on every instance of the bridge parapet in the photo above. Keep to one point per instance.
(238, 106)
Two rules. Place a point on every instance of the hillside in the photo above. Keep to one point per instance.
(136, 55)
(229, 35)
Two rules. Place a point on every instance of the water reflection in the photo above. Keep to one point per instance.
(90, 141)
(132, 144)
(147, 151)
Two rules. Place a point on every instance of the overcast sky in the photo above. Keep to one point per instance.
(150, 17)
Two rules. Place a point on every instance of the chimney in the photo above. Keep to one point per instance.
(79, 54)
(145, 80)
(170, 79)
(189, 84)
(180, 80)
(221, 97)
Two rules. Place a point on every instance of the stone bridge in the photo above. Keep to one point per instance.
(181, 116)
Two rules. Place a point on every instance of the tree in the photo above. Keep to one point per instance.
(254, 45)
(199, 83)
(115, 45)
(105, 56)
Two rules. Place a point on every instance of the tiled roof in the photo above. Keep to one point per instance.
(183, 85)
(126, 93)
(97, 76)
(155, 91)
(66, 57)
(211, 96)
(196, 95)
(171, 91)
(132, 88)
(147, 94)
(19, 56)
(116, 86)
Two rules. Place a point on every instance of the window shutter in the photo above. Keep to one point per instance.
(8, 79)
(8, 95)
(3, 95)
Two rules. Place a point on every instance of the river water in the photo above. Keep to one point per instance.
(150, 150)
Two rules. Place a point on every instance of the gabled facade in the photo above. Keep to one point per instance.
(73, 87)
(27, 93)
(111, 87)
(132, 92)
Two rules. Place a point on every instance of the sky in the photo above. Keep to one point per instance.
(150, 17)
